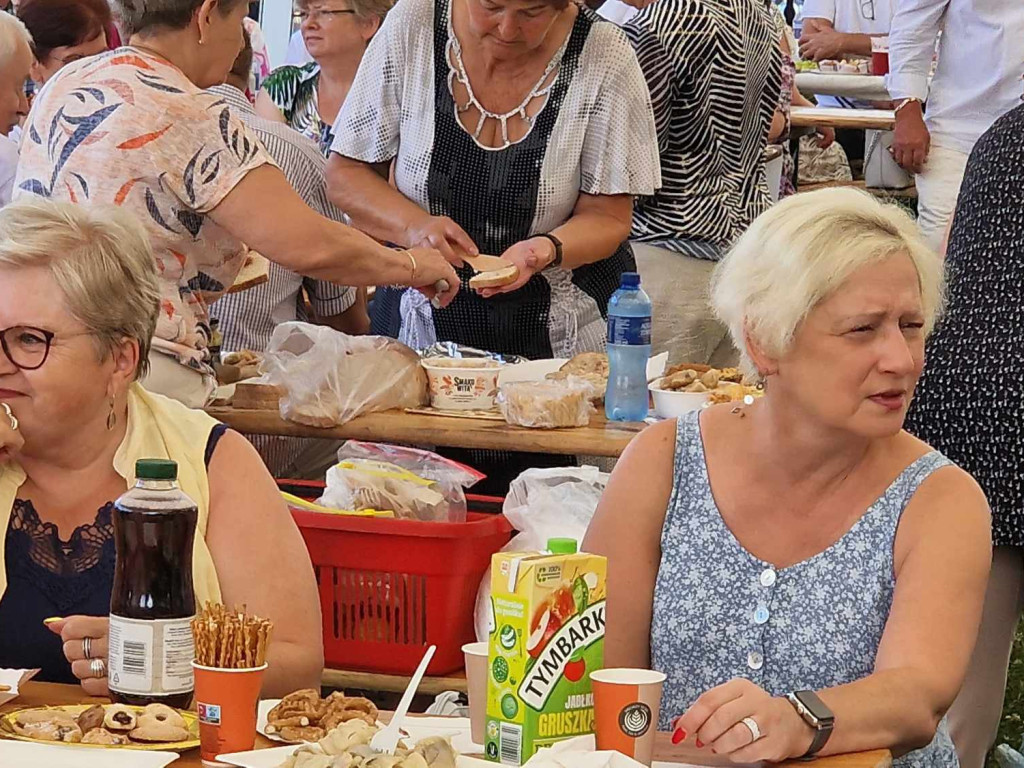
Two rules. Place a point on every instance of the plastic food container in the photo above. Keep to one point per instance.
(462, 384)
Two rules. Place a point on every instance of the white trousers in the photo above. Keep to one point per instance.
(938, 186)
(683, 323)
(974, 716)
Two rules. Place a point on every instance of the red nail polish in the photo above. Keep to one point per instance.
(700, 744)
(678, 736)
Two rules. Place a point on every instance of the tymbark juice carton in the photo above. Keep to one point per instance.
(547, 635)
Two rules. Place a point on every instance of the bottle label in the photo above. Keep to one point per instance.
(150, 657)
(634, 331)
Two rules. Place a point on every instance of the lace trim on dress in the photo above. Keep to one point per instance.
(81, 552)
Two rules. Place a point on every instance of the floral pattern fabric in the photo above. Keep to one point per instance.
(721, 613)
(294, 91)
(129, 129)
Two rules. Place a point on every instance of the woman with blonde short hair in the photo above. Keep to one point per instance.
(804, 544)
(79, 300)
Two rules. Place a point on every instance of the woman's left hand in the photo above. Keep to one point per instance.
(73, 631)
(716, 722)
(826, 136)
(531, 256)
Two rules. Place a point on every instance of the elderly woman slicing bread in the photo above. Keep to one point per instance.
(78, 303)
(808, 575)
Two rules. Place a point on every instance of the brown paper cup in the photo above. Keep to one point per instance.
(627, 703)
(226, 701)
(476, 683)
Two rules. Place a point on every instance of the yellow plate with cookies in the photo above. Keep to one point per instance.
(9, 727)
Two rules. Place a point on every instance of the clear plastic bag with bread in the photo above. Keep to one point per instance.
(329, 378)
(414, 484)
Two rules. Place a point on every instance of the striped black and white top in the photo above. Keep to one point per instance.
(714, 70)
(247, 319)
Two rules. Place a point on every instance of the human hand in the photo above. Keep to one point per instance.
(826, 136)
(430, 270)
(73, 631)
(821, 44)
(716, 722)
(445, 235)
(530, 256)
(11, 440)
(911, 139)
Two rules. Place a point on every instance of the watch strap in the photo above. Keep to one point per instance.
(822, 727)
(558, 248)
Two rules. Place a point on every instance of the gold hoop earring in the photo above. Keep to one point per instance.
(111, 417)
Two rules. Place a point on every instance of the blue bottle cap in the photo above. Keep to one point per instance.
(630, 280)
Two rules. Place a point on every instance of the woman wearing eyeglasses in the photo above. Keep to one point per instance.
(308, 98)
(64, 31)
(79, 300)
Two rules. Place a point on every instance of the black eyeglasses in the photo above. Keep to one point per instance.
(317, 14)
(27, 347)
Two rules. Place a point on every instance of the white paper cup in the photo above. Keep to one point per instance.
(476, 683)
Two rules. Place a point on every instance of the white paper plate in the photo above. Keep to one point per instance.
(272, 758)
(22, 754)
(261, 720)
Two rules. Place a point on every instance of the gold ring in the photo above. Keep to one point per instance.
(10, 416)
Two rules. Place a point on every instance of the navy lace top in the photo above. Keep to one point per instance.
(49, 577)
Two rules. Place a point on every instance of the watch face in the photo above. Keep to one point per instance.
(815, 706)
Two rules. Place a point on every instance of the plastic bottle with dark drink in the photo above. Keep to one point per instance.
(152, 603)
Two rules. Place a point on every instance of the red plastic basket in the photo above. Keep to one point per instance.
(390, 588)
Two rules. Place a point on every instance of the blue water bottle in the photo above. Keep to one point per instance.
(629, 347)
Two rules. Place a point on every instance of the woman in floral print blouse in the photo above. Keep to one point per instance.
(804, 543)
(133, 128)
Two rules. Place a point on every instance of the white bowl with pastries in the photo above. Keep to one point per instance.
(462, 384)
(689, 387)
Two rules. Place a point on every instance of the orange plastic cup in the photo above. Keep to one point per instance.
(226, 702)
(627, 703)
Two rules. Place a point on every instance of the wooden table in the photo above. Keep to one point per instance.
(39, 694)
(600, 438)
(837, 117)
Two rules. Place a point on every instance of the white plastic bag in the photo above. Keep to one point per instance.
(414, 484)
(544, 504)
(329, 377)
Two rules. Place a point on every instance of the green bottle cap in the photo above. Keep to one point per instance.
(562, 546)
(156, 469)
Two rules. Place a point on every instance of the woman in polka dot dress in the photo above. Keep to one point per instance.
(970, 402)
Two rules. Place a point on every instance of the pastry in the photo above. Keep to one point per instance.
(118, 717)
(547, 404)
(302, 733)
(150, 729)
(56, 729)
(35, 716)
(91, 718)
(103, 736)
(165, 714)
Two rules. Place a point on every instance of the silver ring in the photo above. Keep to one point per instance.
(87, 647)
(98, 667)
(10, 415)
(751, 724)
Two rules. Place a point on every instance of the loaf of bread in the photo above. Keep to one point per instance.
(329, 378)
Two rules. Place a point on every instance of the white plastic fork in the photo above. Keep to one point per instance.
(386, 740)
